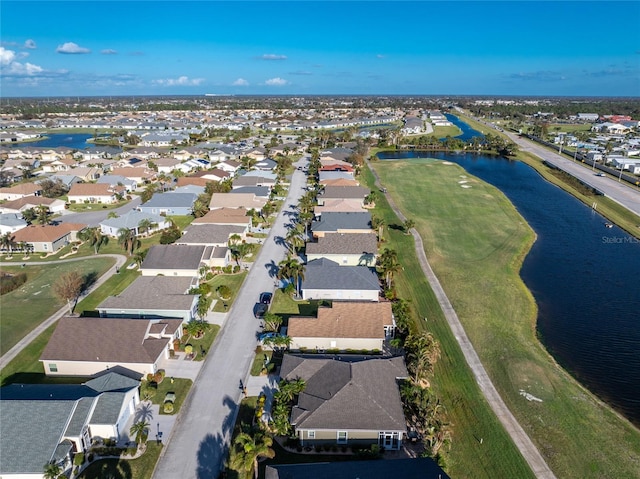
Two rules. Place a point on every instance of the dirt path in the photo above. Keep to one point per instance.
(522, 441)
(38, 330)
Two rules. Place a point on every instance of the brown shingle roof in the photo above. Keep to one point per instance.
(345, 243)
(46, 233)
(90, 189)
(339, 182)
(22, 189)
(224, 216)
(344, 320)
(106, 340)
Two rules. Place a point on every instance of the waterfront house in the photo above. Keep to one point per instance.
(49, 238)
(347, 249)
(326, 279)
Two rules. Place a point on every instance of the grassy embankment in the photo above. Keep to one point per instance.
(475, 241)
(608, 208)
(26, 307)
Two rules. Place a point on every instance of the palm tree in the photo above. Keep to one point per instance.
(377, 224)
(128, 239)
(294, 240)
(297, 272)
(51, 471)
(7, 241)
(422, 352)
(42, 214)
(140, 431)
(95, 238)
(140, 256)
(248, 449)
(407, 225)
(388, 264)
(145, 225)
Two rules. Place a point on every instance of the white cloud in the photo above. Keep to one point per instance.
(10, 67)
(277, 81)
(180, 81)
(240, 82)
(72, 49)
(273, 56)
(109, 51)
(30, 44)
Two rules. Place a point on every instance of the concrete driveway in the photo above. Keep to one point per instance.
(198, 444)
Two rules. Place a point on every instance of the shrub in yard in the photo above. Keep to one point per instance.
(209, 276)
(176, 345)
(78, 459)
(224, 291)
(158, 377)
(10, 282)
(168, 407)
(188, 349)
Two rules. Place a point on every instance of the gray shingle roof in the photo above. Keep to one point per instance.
(345, 243)
(30, 432)
(345, 192)
(131, 219)
(107, 409)
(349, 395)
(153, 293)
(179, 257)
(171, 200)
(333, 221)
(326, 274)
(209, 234)
(259, 191)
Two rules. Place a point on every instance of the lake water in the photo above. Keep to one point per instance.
(583, 276)
(467, 132)
(77, 141)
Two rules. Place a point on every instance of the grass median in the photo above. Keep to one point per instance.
(475, 241)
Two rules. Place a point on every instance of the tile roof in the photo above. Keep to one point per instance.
(358, 395)
(110, 340)
(353, 319)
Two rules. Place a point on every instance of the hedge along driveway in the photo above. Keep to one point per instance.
(26, 307)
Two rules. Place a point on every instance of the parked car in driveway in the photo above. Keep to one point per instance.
(265, 298)
(260, 309)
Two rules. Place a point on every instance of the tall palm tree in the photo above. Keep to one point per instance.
(128, 239)
(95, 238)
(139, 430)
(388, 264)
(294, 240)
(42, 214)
(146, 224)
(248, 449)
(7, 241)
(377, 224)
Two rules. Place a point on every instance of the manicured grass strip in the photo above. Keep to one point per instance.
(140, 468)
(26, 307)
(25, 367)
(203, 343)
(475, 241)
(234, 281)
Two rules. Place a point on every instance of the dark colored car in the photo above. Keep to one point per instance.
(260, 310)
(265, 298)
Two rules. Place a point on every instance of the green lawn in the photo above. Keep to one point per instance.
(475, 241)
(26, 307)
(204, 342)
(444, 131)
(180, 387)
(25, 367)
(234, 281)
(140, 468)
(83, 207)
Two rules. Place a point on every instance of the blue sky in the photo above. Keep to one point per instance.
(575, 48)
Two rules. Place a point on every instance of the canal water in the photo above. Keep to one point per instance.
(583, 275)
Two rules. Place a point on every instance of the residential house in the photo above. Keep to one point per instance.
(89, 346)
(343, 193)
(408, 468)
(131, 220)
(350, 249)
(49, 238)
(154, 297)
(169, 204)
(95, 193)
(20, 191)
(345, 325)
(87, 173)
(166, 165)
(43, 423)
(118, 180)
(11, 222)
(339, 206)
(231, 166)
(258, 191)
(139, 175)
(247, 201)
(215, 175)
(17, 206)
(225, 216)
(211, 235)
(329, 179)
(334, 222)
(254, 179)
(326, 279)
(348, 402)
(175, 260)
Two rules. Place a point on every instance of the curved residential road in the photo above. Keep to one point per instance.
(198, 444)
(93, 218)
(38, 330)
(518, 435)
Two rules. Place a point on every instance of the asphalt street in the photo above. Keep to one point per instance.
(93, 218)
(198, 444)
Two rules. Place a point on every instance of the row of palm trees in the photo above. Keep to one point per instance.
(8, 243)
